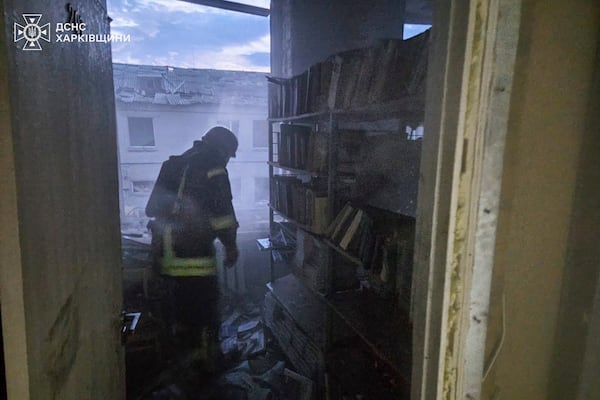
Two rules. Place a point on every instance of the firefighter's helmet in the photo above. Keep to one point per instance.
(222, 138)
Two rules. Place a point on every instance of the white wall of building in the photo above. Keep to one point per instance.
(175, 129)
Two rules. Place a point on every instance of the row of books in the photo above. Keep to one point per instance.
(384, 253)
(301, 147)
(305, 204)
(391, 70)
(352, 231)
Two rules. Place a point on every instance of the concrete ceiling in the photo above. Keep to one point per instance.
(417, 11)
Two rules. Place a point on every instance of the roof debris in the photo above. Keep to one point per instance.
(183, 86)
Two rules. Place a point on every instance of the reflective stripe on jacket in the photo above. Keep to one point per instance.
(172, 265)
(224, 222)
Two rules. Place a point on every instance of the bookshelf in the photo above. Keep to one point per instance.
(344, 253)
(326, 146)
(295, 170)
(369, 316)
(293, 221)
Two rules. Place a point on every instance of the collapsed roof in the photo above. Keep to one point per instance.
(182, 86)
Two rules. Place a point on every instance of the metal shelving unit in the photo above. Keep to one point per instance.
(367, 315)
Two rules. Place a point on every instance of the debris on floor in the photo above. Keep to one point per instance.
(242, 336)
(252, 366)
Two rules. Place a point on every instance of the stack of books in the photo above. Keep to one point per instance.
(303, 148)
(305, 204)
(381, 243)
(387, 71)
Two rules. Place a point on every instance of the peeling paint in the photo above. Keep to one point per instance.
(460, 246)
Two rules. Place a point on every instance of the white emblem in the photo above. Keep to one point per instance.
(31, 32)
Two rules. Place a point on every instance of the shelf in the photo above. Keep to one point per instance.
(380, 323)
(288, 227)
(297, 171)
(307, 310)
(293, 221)
(410, 108)
(309, 116)
(344, 253)
(265, 244)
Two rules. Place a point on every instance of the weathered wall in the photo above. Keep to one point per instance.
(176, 128)
(548, 130)
(317, 29)
(59, 161)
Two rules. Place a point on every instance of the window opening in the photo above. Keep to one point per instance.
(141, 132)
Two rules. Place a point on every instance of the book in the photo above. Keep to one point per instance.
(298, 206)
(349, 71)
(343, 226)
(383, 69)
(367, 243)
(282, 199)
(302, 92)
(283, 150)
(359, 237)
(319, 218)
(334, 227)
(314, 88)
(317, 152)
(264, 244)
(336, 66)
(352, 229)
(316, 210)
(276, 96)
(293, 148)
(325, 72)
(415, 51)
(366, 76)
(302, 149)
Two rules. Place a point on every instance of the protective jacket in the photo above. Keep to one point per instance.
(191, 206)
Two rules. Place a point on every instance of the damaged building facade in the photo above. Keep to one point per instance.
(161, 111)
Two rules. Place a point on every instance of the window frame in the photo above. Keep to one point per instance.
(130, 132)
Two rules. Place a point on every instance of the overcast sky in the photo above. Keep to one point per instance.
(181, 34)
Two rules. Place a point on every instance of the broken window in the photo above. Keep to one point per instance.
(141, 132)
(150, 85)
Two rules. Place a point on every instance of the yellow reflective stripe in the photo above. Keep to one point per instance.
(168, 242)
(223, 222)
(179, 272)
(215, 172)
(195, 262)
(176, 266)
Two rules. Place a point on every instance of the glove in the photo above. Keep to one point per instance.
(231, 256)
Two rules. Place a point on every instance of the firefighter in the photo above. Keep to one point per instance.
(191, 207)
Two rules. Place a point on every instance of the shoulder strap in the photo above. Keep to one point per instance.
(179, 200)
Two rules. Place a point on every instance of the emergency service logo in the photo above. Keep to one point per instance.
(31, 32)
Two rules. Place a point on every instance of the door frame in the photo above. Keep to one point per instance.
(469, 82)
(60, 269)
(11, 277)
